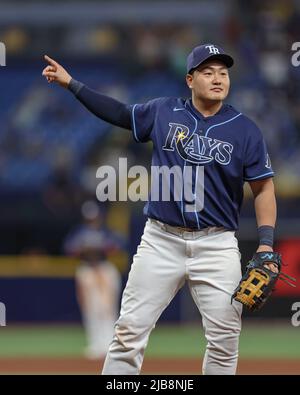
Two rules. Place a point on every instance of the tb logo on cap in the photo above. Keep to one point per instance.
(212, 49)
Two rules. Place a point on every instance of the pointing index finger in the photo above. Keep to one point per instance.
(51, 61)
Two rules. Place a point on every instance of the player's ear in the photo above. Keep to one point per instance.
(189, 80)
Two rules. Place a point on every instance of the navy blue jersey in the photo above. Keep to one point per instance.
(211, 158)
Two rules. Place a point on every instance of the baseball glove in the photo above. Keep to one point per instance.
(258, 282)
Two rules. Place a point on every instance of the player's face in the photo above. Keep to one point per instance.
(210, 81)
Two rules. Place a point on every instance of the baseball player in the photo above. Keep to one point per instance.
(212, 149)
(97, 280)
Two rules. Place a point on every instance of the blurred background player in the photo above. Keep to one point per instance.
(97, 280)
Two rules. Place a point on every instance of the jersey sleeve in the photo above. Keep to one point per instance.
(257, 163)
(142, 119)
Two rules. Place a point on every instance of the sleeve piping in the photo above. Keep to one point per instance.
(133, 124)
(270, 173)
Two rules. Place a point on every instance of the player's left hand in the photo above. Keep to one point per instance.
(270, 266)
(257, 284)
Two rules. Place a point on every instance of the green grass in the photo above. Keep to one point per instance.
(52, 341)
(266, 341)
(255, 342)
(270, 342)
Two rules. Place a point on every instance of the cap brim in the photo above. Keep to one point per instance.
(226, 59)
(223, 58)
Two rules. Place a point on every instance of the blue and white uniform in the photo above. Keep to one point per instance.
(199, 246)
(225, 149)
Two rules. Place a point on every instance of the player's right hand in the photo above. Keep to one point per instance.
(54, 72)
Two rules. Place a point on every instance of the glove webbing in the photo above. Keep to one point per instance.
(283, 277)
(251, 288)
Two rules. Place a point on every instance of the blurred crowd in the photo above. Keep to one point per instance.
(51, 147)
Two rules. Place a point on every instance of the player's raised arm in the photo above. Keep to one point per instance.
(104, 107)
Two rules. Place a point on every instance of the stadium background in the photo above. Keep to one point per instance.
(51, 147)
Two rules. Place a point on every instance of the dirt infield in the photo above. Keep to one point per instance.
(151, 366)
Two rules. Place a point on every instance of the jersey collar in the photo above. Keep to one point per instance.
(189, 105)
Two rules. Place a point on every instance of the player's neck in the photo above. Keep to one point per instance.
(207, 107)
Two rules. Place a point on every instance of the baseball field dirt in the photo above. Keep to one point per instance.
(154, 366)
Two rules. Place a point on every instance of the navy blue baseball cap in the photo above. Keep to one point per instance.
(206, 52)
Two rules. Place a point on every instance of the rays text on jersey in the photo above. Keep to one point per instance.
(195, 147)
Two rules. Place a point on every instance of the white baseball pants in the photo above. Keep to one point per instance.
(167, 257)
(99, 288)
